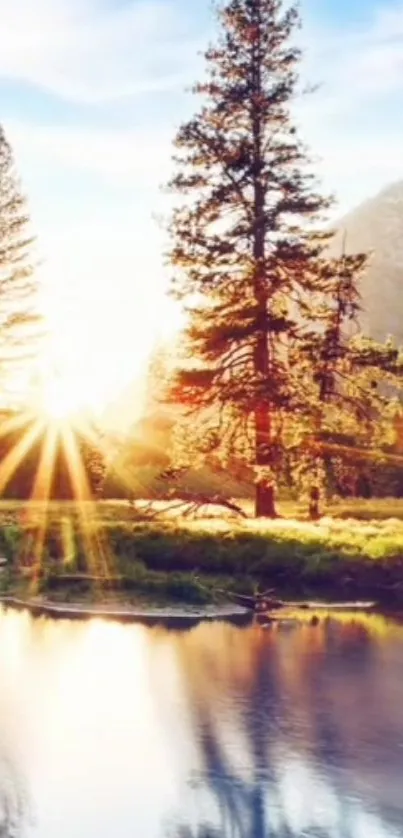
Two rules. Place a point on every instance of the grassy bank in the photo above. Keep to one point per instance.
(105, 552)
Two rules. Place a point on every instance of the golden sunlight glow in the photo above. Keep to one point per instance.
(16, 455)
(81, 523)
(64, 396)
(96, 550)
(46, 439)
(99, 339)
(41, 492)
(59, 403)
(90, 376)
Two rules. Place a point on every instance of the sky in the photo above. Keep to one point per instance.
(91, 94)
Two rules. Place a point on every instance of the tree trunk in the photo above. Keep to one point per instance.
(265, 496)
(314, 504)
(265, 501)
(265, 490)
(265, 493)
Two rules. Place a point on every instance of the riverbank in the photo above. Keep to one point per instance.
(176, 617)
(184, 617)
(92, 557)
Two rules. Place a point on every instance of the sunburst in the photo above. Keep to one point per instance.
(19, 451)
(41, 493)
(54, 435)
(96, 549)
(129, 478)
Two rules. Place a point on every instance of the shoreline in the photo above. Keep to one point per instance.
(176, 617)
(183, 571)
(183, 616)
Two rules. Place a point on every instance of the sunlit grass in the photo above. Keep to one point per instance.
(357, 545)
(91, 547)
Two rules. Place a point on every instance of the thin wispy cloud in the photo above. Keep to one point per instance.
(358, 65)
(88, 52)
(84, 51)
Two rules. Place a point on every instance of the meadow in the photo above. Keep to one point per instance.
(115, 550)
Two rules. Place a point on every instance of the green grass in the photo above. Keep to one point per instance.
(357, 551)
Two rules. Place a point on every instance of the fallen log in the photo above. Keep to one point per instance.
(190, 503)
(256, 602)
(264, 603)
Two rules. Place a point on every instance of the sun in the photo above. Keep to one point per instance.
(100, 333)
(59, 402)
(65, 397)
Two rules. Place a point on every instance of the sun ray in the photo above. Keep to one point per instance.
(15, 422)
(96, 550)
(44, 474)
(14, 457)
(41, 493)
(110, 451)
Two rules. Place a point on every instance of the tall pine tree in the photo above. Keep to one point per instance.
(20, 323)
(245, 256)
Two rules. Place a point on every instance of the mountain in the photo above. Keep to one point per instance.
(376, 226)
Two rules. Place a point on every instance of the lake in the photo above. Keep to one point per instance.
(125, 731)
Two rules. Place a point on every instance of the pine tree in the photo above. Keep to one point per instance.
(244, 250)
(19, 318)
(351, 383)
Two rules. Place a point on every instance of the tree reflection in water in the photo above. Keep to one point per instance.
(282, 722)
(13, 801)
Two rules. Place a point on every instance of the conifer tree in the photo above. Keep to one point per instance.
(245, 255)
(19, 317)
(351, 383)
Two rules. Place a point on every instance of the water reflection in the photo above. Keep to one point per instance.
(15, 810)
(13, 802)
(300, 730)
(219, 732)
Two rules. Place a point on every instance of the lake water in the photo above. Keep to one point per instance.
(125, 731)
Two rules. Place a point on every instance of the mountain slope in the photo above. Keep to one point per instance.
(376, 226)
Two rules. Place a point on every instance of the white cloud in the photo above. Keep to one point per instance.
(84, 51)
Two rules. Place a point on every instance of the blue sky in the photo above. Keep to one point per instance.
(91, 94)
